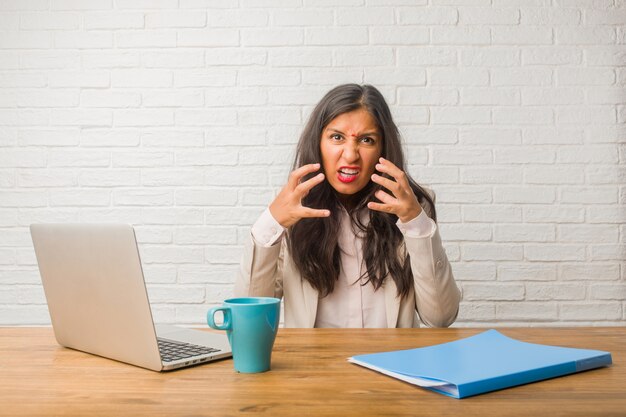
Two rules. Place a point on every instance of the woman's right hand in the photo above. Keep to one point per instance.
(287, 207)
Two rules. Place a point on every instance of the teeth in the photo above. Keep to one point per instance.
(349, 171)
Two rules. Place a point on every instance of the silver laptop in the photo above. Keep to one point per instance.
(98, 303)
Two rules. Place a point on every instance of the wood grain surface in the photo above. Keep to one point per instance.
(310, 377)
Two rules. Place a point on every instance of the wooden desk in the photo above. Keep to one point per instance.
(310, 377)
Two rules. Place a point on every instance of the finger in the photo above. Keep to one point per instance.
(390, 168)
(385, 208)
(304, 187)
(309, 212)
(385, 198)
(392, 186)
(297, 174)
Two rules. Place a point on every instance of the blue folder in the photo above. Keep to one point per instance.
(485, 362)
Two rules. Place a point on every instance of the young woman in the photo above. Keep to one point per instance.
(351, 239)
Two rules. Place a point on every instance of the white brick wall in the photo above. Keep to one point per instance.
(180, 116)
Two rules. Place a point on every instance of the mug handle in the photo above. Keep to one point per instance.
(227, 325)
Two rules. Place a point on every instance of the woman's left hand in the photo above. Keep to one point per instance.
(403, 203)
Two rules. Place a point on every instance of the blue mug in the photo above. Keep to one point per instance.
(251, 324)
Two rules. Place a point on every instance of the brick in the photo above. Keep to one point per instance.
(427, 55)
(49, 21)
(81, 117)
(143, 197)
(212, 117)
(492, 57)
(254, 196)
(552, 55)
(491, 214)
(28, 118)
(271, 37)
(26, 40)
(554, 214)
(545, 135)
(21, 158)
(240, 18)
(613, 95)
(606, 175)
(78, 158)
(48, 137)
(607, 292)
(491, 252)
(175, 19)
(521, 77)
(527, 272)
(552, 291)
(358, 56)
(608, 214)
(460, 115)
(524, 233)
(459, 77)
(476, 311)
(223, 254)
(194, 235)
(427, 16)
(588, 272)
(206, 274)
(554, 16)
(171, 216)
(9, 22)
(143, 117)
(269, 77)
(488, 16)
(474, 271)
(109, 214)
(147, 4)
(206, 197)
(521, 155)
(425, 135)
(523, 115)
(545, 96)
(610, 252)
(495, 175)
(493, 292)
(554, 252)
(175, 294)
(109, 98)
(590, 311)
(145, 39)
(48, 98)
(588, 154)
(526, 311)
(494, 96)
(465, 194)
(303, 18)
(109, 137)
(266, 116)
(490, 136)
(111, 59)
(81, 4)
(443, 156)
(207, 37)
(172, 98)
(579, 77)
(580, 35)
(95, 79)
(238, 56)
(462, 232)
(83, 40)
(204, 78)
(604, 56)
(427, 95)
(157, 254)
(164, 138)
(9, 60)
(216, 156)
(17, 80)
(170, 177)
(110, 178)
(232, 176)
(48, 60)
(113, 20)
(7, 178)
(47, 178)
(174, 59)
(364, 16)
(80, 198)
(24, 315)
(553, 175)
(398, 35)
(462, 35)
(236, 97)
(331, 77)
(524, 195)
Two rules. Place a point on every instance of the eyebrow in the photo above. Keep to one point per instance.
(372, 133)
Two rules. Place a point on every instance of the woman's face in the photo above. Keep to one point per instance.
(350, 145)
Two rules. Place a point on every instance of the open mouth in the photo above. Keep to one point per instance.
(347, 174)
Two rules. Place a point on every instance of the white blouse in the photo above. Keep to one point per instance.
(350, 304)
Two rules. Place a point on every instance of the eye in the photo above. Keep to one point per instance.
(368, 140)
(335, 136)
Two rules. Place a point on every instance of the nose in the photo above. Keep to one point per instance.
(351, 152)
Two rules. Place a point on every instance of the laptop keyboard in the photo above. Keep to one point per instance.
(172, 350)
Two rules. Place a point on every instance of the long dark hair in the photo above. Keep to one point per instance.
(313, 242)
